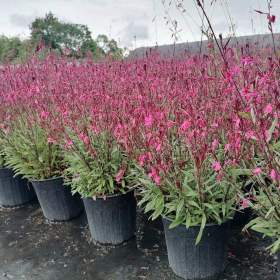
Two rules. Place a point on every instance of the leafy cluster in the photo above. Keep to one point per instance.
(93, 167)
(2, 158)
(265, 192)
(267, 209)
(68, 39)
(191, 201)
(29, 153)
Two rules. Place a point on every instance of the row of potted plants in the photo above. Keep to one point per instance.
(197, 138)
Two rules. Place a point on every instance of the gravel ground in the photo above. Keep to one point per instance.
(33, 249)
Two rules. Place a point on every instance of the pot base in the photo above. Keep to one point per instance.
(112, 221)
(14, 191)
(56, 200)
(205, 261)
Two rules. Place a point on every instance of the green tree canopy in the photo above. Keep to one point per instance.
(70, 39)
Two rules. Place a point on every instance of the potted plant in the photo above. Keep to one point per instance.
(264, 199)
(32, 153)
(14, 191)
(179, 132)
(98, 170)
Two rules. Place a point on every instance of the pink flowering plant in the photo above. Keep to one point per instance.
(187, 132)
(97, 165)
(29, 138)
(176, 128)
(30, 153)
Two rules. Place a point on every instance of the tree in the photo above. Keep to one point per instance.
(13, 49)
(68, 38)
(109, 46)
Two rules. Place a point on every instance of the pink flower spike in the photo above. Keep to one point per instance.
(51, 140)
(157, 179)
(215, 144)
(257, 171)
(227, 147)
(271, 18)
(185, 125)
(142, 159)
(149, 120)
(273, 175)
(245, 203)
(120, 175)
(268, 109)
(216, 166)
(158, 147)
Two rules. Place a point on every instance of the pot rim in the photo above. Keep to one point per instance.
(5, 168)
(110, 196)
(198, 226)
(46, 180)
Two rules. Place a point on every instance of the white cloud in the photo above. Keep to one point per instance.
(124, 19)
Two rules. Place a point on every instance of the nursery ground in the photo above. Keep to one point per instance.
(33, 249)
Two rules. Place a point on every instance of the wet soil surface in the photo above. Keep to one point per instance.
(33, 249)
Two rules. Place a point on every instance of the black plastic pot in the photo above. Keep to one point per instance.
(56, 200)
(278, 266)
(113, 220)
(14, 191)
(203, 261)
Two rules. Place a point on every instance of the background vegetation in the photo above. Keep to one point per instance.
(70, 39)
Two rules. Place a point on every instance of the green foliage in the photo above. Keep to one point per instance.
(109, 47)
(71, 39)
(93, 168)
(58, 35)
(29, 154)
(2, 158)
(193, 202)
(14, 50)
(267, 207)
(266, 192)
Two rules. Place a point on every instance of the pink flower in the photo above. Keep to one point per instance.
(44, 115)
(271, 18)
(158, 147)
(268, 109)
(51, 140)
(273, 175)
(227, 147)
(120, 175)
(257, 171)
(149, 120)
(185, 125)
(142, 159)
(157, 179)
(69, 143)
(245, 203)
(250, 135)
(215, 144)
(216, 166)
(155, 176)
(83, 137)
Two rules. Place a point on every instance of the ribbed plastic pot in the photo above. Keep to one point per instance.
(113, 220)
(56, 200)
(203, 261)
(278, 267)
(14, 191)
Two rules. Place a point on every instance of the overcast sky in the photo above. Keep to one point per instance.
(136, 22)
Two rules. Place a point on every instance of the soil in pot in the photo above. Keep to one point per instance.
(203, 261)
(56, 200)
(14, 191)
(112, 220)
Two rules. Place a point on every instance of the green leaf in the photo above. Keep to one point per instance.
(202, 226)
